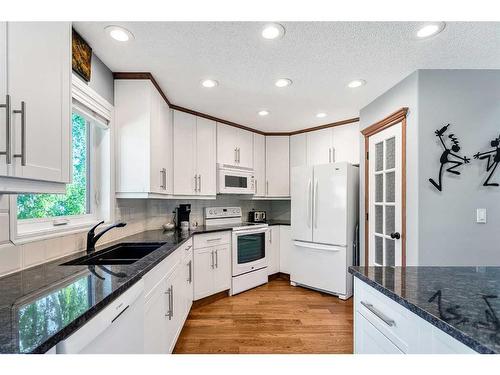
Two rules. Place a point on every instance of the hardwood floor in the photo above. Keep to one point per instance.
(273, 318)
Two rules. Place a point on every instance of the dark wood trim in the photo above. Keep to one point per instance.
(142, 75)
(393, 119)
(210, 299)
(279, 275)
(148, 75)
(386, 122)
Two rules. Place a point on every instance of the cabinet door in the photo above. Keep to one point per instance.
(158, 143)
(346, 140)
(177, 284)
(39, 74)
(245, 148)
(222, 269)
(259, 164)
(369, 340)
(3, 92)
(226, 144)
(184, 153)
(203, 272)
(298, 150)
(155, 320)
(277, 166)
(319, 147)
(188, 282)
(206, 156)
(273, 250)
(285, 248)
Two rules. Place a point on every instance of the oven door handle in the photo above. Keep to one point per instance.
(250, 231)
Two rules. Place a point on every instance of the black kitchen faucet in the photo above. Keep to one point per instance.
(92, 238)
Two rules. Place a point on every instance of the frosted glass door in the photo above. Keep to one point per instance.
(384, 211)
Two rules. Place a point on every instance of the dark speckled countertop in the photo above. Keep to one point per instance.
(43, 305)
(461, 301)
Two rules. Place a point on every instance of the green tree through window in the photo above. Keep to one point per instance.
(74, 202)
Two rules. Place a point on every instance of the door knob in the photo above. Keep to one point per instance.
(395, 235)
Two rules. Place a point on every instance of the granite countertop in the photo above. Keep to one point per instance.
(278, 222)
(461, 301)
(43, 305)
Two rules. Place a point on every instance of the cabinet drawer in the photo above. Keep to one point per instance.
(369, 340)
(153, 277)
(387, 316)
(211, 239)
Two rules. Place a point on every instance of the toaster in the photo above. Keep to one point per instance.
(257, 216)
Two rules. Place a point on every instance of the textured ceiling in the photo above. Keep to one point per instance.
(320, 58)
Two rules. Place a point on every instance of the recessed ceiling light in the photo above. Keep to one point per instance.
(321, 115)
(283, 82)
(430, 29)
(209, 83)
(356, 83)
(263, 112)
(273, 31)
(119, 33)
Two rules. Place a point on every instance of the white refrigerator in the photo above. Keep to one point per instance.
(324, 202)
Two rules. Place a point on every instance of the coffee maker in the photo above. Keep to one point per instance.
(182, 214)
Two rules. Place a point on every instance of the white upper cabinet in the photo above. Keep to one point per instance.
(194, 155)
(346, 140)
(35, 61)
(259, 164)
(234, 146)
(144, 147)
(277, 166)
(319, 146)
(298, 150)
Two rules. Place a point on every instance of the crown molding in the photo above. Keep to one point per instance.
(149, 76)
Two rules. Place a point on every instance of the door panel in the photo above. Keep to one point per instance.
(245, 145)
(278, 166)
(35, 47)
(222, 274)
(226, 144)
(319, 144)
(346, 140)
(158, 141)
(301, 203)
(369, 340)
(203, 273)
(184, 153)
(273, 250)
(330, 204)
(298, 150)
(155, 329)
(259, 164)
(206, 156)
(385, 194)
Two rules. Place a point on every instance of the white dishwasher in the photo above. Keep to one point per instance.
(118, 329)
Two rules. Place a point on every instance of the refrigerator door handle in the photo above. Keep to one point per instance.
(318, 246)
(315, 207)
(309, 203)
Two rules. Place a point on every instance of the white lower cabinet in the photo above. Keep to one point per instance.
(212, 264)
(169, 291)
(273, 250)
(381, 325)
(285, 246)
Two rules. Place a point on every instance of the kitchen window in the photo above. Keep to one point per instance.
(88, 196)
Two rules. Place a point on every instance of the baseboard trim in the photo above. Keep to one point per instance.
(279, 275)
(210, 299)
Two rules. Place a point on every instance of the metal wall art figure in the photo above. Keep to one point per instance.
(448, 157)
(493, 157)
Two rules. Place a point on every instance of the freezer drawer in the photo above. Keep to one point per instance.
(321, 267)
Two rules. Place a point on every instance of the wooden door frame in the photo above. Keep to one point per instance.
(394, 118)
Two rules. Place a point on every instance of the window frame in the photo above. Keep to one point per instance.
(96, 109)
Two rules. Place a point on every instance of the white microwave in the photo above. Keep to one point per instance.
(235, 180)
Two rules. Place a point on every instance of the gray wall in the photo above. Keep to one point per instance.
(470, 101)
(441, 228)
(101, 79)
(404, 94)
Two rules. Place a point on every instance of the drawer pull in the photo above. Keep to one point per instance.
(214, 239)
(378, 314)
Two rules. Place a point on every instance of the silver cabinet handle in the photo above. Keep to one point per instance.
(22, 111)
(315, 205)
(189, 247)
(195, 183)
(170, 293)
(199, 183)
(267, 187)
(329, 154)
(236, 155)
(216, 258)
(333, 154)
(212, 265)
(256, 182)
(214, 239)
(378, 314)
(7, 152)
(309, 203)
(190, 267)
(270, 235)
(163, 176)
(239, 155)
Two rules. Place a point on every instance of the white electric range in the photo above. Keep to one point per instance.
(249, 242)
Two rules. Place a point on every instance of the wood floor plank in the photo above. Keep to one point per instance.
(273, 318)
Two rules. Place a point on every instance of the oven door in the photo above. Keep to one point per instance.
(249, 250)
(233, 181)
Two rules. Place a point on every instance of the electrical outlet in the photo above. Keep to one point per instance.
(481, 215)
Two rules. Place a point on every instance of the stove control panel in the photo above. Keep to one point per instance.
(222, 212)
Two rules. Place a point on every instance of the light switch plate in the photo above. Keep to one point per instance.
(481, 215)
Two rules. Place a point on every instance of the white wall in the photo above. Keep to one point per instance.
(404, 94)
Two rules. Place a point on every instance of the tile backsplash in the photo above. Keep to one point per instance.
(139, 215)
